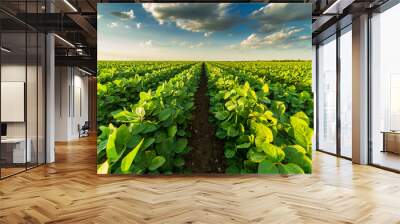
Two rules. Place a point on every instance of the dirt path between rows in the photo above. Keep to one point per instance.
(207, 155)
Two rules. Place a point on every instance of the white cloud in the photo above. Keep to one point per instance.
(148, 43)
(207, 34)
(273, 16)
(251, 41)
(280, 39)
(99, 16)
(127, 26)
(113, 25)
(138, 25)
(281, 36)
(196, 45)
(231, 47)
(124, 15)
(183, 44)
(194, 17)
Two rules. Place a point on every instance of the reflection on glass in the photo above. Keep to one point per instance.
(14, 153)
(385, 89)
(31, 97)
(346, 94)
(327, 96)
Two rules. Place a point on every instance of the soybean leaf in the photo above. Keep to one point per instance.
(290, 168)
(111, 150)
(229, 153)
(222, 115)
(101, 146)
(232, 170)
(156, 162)
(103, 168)
(179, 162)
(165, 114)
(128, 159)
(302, 133)
(273, 152)
(255, 156)
(181, 145)
(147, 143)
(297, 155)
(267, 167)
(172, 131)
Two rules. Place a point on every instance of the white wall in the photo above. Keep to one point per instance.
(70, 83)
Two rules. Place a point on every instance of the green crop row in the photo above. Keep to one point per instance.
(295, 97)
(152, 133)
(260, 135)
(296, 73)
(108, 71)
(124, 90)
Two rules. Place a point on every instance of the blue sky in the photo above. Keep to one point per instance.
(204, 31)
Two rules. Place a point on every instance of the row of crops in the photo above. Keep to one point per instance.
(262, 112)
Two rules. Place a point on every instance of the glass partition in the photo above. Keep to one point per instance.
(13, 94)
(22, 101)
(385, 89)
(346, 93)
(327, 95)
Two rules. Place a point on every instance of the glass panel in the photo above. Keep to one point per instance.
(327, 96)
(41, 99)
(385, 84)
(346, 93)
(31, 98)
(13, 87)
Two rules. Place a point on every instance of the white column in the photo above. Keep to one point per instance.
(50, 101)
(360, 90)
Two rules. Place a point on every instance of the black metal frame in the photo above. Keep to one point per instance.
(338, 152)
(44, 71)
(380, 9)
(389, 4)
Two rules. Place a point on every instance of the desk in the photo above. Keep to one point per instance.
(391, 141)
(17, 150)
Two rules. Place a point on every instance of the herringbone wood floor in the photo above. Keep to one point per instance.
(69, 191)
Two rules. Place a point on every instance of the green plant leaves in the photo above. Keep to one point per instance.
(302, 133)
(172, 130)
(181, 144)
(272, 152)
(232, 170)
(222, 115)
(165, 114)
(103, 168)
(179, 162)
(111, 150)
(267, 167)
(230, 105)
(229, 153)
(290, 168)
(262, 133)
(297, 154)
(255, 156)
(156, 162)
(128, 159)
(263, 116)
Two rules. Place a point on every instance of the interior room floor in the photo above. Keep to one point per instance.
(69, 191)
(387, 159)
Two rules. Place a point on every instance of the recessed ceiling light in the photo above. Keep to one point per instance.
(70, 5)
(64, 40)
(5, 50)
(84, 71)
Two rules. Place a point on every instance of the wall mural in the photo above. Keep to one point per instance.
(195, 88)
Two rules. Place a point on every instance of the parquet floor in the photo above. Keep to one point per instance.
(69, 191)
